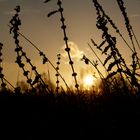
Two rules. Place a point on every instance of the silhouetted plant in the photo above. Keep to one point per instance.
(119, 75)
(67, 49)
(16, 22)
(96, 54)
(104, 81)
(3, 84)
(57, 74)
(94, 64)
(127, 22)
(45, 59)
(114, 53)
(129, 28)
(4, 81)
(111, 80)
(111, 41)
(102, 12)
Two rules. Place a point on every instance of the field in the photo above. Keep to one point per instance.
(40, 109)
(69, 116)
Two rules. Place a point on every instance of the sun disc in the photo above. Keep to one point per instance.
(89, 80)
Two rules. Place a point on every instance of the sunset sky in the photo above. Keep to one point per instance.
(46, 33)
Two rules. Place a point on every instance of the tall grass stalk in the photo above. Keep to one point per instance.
(128, 27)
(94, 64)
(16, 22)
(57, 74)
(97, 57)
(119, 62)
(112, 82)
(3, 84)
(67, 49)
(99, 7)
(45, 58)
(2, 77)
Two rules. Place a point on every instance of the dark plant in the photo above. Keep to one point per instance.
(129, 29)
(57, 74)
(15, 23)
(114, 53)
(3, 84)
(94, 64)
(67, 49)
(3, 79)
(45, 59)
(101, 11)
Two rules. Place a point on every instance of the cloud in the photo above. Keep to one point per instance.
(75, 52)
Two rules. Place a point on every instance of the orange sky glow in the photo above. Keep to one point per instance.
(46, 33)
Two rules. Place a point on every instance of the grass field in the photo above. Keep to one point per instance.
(69, 116)
(39, 109)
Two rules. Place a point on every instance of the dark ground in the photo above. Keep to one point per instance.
(69, 117)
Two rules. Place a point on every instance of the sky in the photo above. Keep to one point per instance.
(46, 33)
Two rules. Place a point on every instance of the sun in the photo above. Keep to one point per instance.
(88, 81)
